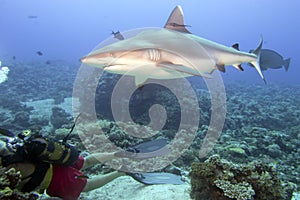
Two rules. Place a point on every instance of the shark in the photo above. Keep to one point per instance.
(168, 53)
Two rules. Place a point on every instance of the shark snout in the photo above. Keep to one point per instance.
(83, 59)
(88, 60)
(94, 61)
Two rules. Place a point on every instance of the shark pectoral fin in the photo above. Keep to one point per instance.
(180, 68)
(140, 80)
(238, 66)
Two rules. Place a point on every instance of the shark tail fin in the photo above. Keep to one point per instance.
(287, 64)
(255, 63)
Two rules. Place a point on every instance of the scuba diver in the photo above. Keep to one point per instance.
(55, 166)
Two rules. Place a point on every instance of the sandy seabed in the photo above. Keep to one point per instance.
(125, 188)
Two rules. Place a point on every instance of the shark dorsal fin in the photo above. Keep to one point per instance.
(176, 21)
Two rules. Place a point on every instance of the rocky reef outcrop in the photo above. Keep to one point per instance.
(218, 179)
(9, 180)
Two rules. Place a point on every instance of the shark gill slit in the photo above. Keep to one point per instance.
(154, 55)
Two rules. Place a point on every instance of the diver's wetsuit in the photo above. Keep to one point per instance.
(67, 181)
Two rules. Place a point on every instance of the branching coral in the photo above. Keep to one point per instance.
(239, 191)
(9, 179)
(218, 179)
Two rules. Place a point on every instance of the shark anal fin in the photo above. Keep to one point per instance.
(239, 67)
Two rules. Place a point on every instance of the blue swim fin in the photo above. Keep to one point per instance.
(156, 178)
(145, 150)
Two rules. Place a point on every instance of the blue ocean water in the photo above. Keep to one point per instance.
(70, 29)
(42, 41)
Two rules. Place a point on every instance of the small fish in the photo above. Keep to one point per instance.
(117, 35)
(270, 59)
(39, 53)
(32, 17)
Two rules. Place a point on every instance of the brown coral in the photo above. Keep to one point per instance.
(218, 179)
(9, 179)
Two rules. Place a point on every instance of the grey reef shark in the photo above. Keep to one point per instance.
(168, 53)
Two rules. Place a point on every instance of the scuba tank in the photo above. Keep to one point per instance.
(39, 149)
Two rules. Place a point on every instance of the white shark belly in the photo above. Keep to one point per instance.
(146, 71)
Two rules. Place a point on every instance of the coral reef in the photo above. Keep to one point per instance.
(262, 122)
(266, 107)
(239, 191)
(59, 117)
(218, 179)
(9, 179)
